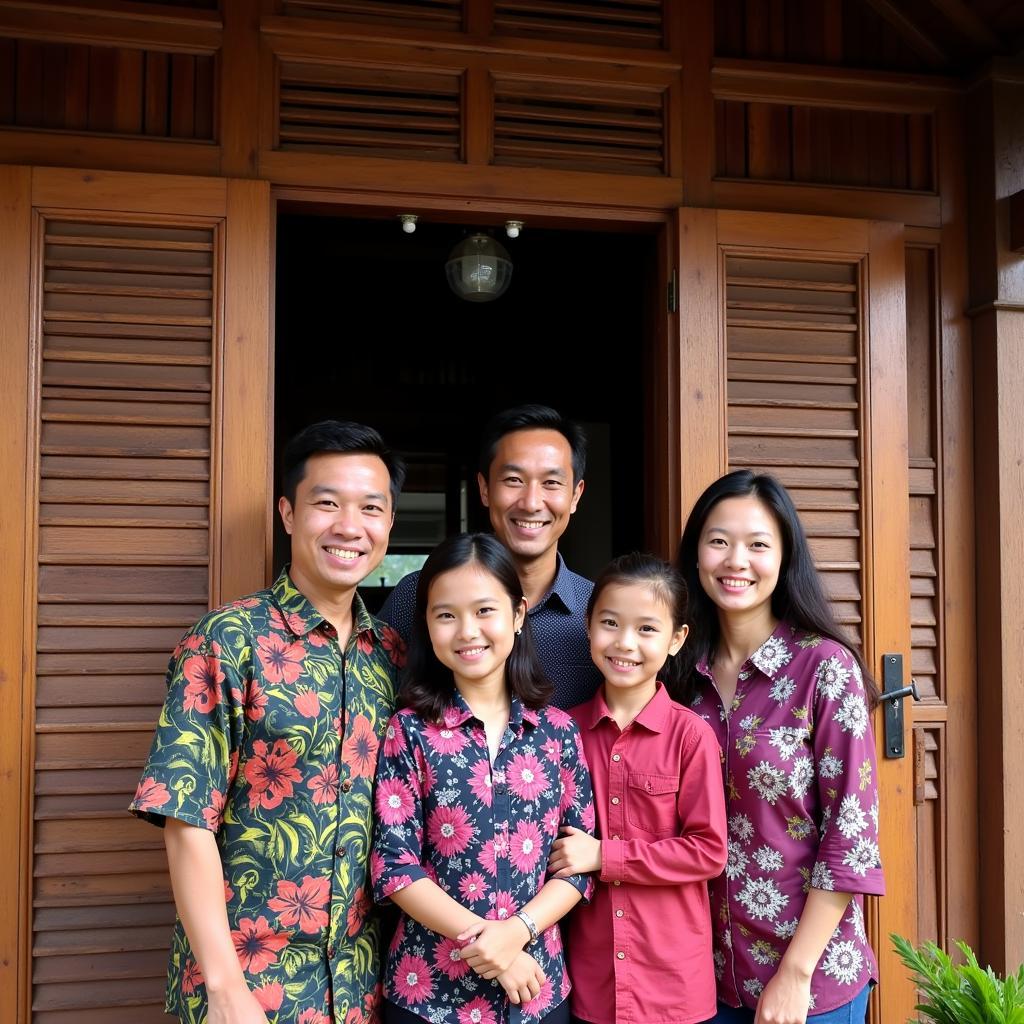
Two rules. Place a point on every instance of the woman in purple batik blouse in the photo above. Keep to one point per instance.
(770, 670)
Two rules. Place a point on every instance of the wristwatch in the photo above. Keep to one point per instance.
(531, 925)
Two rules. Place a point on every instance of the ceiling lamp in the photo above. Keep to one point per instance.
(479, 269)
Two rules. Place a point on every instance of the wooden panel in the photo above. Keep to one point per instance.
(432, 14)
(128, 323)
(823, 145)
(15, 562)
(130, 92)
(375, 112)
(608, 23)
(585, 126)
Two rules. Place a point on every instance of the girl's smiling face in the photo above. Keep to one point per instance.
(632, 635)
(739, 556)
(472, 624)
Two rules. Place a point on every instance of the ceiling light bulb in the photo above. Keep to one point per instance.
(408, 222)
(513, 227)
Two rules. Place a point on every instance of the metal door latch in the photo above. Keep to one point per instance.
(893, 692)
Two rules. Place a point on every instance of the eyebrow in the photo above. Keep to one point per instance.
(323, 489)
(612, 611)
(510, 467)
(755, 533)
(449, 604)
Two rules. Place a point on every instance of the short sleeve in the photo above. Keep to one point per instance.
(844, 753)
(194, 754)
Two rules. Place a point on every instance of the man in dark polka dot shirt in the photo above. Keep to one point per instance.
(532, 463)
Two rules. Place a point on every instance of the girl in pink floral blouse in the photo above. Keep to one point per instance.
(475, 779)
(771, 671)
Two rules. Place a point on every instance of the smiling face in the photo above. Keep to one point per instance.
(339, 524)
(739, 556)
(472, 623)
(632, 634)
(530, 492)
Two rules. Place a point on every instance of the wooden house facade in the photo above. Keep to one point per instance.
(832, 192)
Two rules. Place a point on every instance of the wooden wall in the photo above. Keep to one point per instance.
(621, 112)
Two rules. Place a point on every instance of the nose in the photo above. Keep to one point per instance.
(626, 640)
(467, 628)
(738, 556)
(530, 500)
(348, 523)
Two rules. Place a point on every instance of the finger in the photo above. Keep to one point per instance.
(471, 932)
(570, 831)
(533, 987)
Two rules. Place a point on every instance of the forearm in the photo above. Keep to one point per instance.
(197, 878)
(676, 860)
(821, 915)
(426, 902)
(555, 899)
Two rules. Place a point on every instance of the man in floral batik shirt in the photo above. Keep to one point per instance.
(263, 762)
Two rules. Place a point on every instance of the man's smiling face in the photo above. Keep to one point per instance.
(530, 491)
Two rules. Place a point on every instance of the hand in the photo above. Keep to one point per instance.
(523, 980)
(576, 853)
(785, 999)
(493, 945)
(235, 1005)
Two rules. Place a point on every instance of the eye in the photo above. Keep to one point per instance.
(443, 616)
(326, 503)
(716, 542)
(374, 509)
(610, 623)
(646, 628)
(512, 481)
(485, 610)
(552, 484)
(760, 545)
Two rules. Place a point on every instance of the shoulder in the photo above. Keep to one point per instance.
(689, 724)
(551, 719)
(581, 586)
(246, 614)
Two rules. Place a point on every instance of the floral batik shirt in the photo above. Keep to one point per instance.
(802, 805)
(483, 834)
(268, 737)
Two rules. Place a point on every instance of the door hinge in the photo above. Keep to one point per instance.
(672, 292)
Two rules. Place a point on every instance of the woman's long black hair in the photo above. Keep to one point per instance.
(427, 685)
(638, 569)
(799, 597)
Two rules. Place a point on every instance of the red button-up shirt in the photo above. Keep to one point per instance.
(641, 950)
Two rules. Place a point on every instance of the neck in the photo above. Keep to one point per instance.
(334, 605)
(742, 633)
(485, 696)
(537, 575)
(625, 705)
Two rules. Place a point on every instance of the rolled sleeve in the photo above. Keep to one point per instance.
(397, 859)
(848, 857)
(194, 754)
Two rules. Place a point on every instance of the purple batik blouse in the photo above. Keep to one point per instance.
(801, 789)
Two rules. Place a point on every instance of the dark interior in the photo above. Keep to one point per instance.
(367, 329)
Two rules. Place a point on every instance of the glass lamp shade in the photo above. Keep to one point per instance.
(479, 269)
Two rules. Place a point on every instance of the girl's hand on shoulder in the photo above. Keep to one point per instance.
(785, 999)
(523, 980)
(491, 946)
(576, 853)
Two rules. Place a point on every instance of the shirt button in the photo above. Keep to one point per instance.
(616, 757)
(620, 955)
(330, 952)
(615, 800)
(619, 913)
(340, 851)
(346, 785)
(616, 882)
(616, 837)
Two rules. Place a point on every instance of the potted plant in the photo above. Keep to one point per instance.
(961, 993)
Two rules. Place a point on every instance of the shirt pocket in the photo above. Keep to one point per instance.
(651, 802)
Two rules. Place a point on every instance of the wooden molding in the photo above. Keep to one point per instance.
(1016, 204)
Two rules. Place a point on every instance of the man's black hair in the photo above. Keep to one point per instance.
(533, 417)
(344, 438)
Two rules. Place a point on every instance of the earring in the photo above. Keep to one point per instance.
(519, 631)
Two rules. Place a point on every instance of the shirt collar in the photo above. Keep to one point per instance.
(652, 717)
(459, 712)
(764, 658)
(302, 617)
(562, 589)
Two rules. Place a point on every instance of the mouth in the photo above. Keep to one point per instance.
(471, 653)
(344, 554)
(530, 525)
(735, 582)
(623, 664)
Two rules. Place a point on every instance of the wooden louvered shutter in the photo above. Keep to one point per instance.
(152, 332)
(793, 361)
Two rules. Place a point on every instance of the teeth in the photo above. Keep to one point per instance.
(624, 664)
(524, 524)
(738, 583)
(469, 652)
(349, 556)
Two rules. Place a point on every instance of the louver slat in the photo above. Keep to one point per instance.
(633, 23)
(794, 401)
(124, 495)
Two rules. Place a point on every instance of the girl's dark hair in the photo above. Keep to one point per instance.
(427, 685)
(799, 597)
(638, 569)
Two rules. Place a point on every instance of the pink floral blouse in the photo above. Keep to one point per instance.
(484, 835)
(802, 803)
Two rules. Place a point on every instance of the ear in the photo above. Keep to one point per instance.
(520, 615)
(577, 493)
(678, 639)
(482, 484)
(284, 507)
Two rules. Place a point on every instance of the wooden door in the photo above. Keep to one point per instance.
(140, 366)
(792, 360)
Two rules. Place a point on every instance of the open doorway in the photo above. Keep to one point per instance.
(367, 329)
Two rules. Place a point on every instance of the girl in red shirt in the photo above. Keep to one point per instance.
(641, 951)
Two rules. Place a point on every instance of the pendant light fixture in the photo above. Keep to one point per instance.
(479, 268)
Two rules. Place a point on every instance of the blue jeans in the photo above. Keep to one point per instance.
(852, 1012)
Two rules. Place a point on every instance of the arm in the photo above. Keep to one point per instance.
(197, 879)
(786, 998)
(425, 901)
(695, 855)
